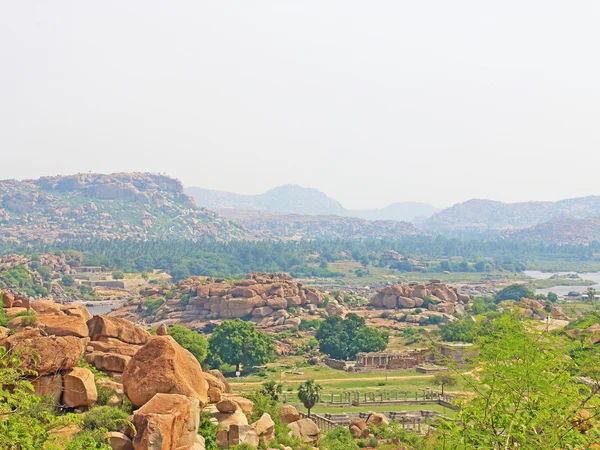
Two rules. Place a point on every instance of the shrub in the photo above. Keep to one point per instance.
(89, 440)
(192, 341)
(104, 395)
(105, 417)
(208, 430)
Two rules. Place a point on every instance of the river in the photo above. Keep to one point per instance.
(564, 290)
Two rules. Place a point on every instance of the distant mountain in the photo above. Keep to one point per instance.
(480, 217)
(402, 211)
(563, 231)
(288, 199)
(119, 205)
(294, 199)
(266, 224)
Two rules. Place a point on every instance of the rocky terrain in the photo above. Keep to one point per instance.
(433, 298)
(294, 199)
(482, 217)
(296, 226)
(163, 381)
(566, 230)
(120, 205)
(266, 299)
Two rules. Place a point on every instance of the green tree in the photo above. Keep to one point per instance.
(68, 280)
(369, 339)
(192, 341)
(513, 292)
(526, 396)
(118, 275)
(240, 343)
(309, 393)
(591, 293)
(444, 379)
(552, 297)
(335, 335)
(272, 389)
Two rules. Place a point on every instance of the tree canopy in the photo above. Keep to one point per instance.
(239, 343)
(192, 341)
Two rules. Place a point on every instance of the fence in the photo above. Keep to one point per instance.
(322, 422)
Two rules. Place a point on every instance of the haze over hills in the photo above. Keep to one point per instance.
(119, 205)
(477, 216)
(294, 199)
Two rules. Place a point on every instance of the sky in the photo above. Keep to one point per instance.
(370, 102)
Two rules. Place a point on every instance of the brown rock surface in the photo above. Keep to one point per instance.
(265, 428)
(119, 441)
(166, 422)
(162, 330)
(227, 406)
(163, 366)
(377, 419)
(46, 307)
(51, 385)
(306, 430)
(79, 388)
(289, 413)
(112, 327)
(63, 325)
(46, 354)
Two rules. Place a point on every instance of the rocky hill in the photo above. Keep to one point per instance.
(563, 231)
(120, 205)
(294, 199)
(477, 217)
(296, 226)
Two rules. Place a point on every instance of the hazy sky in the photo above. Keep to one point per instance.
(369, 101)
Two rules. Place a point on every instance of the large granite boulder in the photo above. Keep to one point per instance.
(288, 414)
(63, 325)
(102, 327)
(306, 430)
(166, 422)
(163, 366)
(79, 388)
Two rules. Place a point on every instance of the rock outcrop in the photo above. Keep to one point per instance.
(433, 296)
(163, 366)
(306, 430)
(261, 297)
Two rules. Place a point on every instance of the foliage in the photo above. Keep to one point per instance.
(368, 339)
(514, 292)
(309, 393)
(152, 305)
(89, 440)
(105, 417)
(338, 439)
(464, 329)
(104, 395)
(272, 389)
(26, 419)
(444, 379)
(525, 397)
(208, 430)
(68, 280)
(192, 341)
(240, 343)
(118, 275)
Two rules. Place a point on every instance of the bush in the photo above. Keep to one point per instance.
(68, 280)
(209, 431)
(118, 275)
(105, 417)
(104, 395)
(192, 341)
(89, 440)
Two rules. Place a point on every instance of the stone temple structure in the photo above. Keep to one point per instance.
(389, 360)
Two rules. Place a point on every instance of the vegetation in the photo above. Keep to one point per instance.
(239, 343)
(192, 341)
(344, 338)
(309, 394)
(444, 379)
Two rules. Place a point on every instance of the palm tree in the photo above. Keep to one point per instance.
(309, 393)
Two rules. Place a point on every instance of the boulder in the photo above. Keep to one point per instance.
(227, 406)
(113, 327)
(110, 362)
(46, 307)
(265, 428)
(406, 302)
(263, 311)
(166, 422)
(390, 301)
(162, 330)
(306, 430)
(79, 388)
(76, 310)
(7, 299)
(288, 414)
(219, 376)
(215, 395)
(4, 332)
(242, 434)
(225, 420)
(242, 292)
(377, 419)
(163, 366)
(63, 325)
(359, 429)
(111, 345)
(51, 385)
(46, 354)
(119, 441)
(277, 302)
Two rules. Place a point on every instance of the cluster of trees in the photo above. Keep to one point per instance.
(184, 257)
(344, 338)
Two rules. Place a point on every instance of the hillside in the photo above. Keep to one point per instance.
(267, 224)
(120, 205)
(563, 231)
(479, 216)
(294, 199)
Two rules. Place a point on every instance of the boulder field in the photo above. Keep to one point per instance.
(433, 296)
(261, 297)
(162, 379)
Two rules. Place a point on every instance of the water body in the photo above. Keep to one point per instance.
(564, 290)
